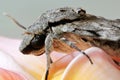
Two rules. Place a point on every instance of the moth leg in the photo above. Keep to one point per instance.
(48, 46)
(72, 45)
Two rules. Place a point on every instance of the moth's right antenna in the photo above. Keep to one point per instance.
(14, 20)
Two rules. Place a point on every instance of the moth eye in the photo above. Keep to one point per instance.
(38, 41)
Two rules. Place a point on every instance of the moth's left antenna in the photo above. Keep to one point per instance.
(14, 20)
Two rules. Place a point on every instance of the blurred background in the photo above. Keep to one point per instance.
(26, 11)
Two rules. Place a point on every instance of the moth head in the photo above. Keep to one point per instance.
(32, 43)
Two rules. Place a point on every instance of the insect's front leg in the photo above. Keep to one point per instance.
(48, 46)
(72, 45)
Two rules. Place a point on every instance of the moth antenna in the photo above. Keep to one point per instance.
(14, 20)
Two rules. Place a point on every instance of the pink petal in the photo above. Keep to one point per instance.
(60, 64)
(9, 75)
(102, 69)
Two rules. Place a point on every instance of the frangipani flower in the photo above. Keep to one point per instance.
(75, 66)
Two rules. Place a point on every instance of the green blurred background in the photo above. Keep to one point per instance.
(26, 11)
